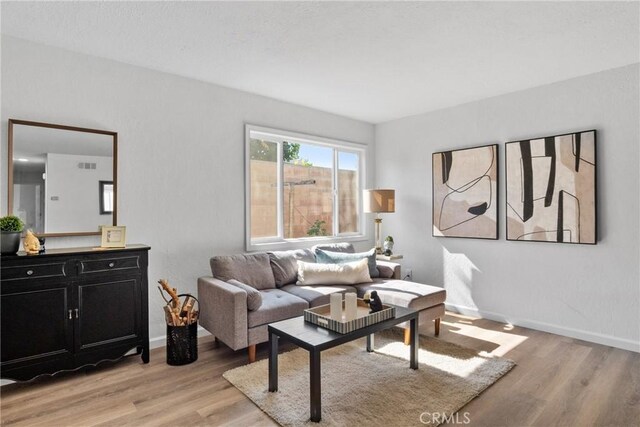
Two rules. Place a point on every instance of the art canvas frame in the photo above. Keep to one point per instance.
(551, 188)
(465, 193)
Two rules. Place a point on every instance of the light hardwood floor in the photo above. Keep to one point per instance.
(558, 381)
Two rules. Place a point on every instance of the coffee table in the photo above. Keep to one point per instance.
(315, 339)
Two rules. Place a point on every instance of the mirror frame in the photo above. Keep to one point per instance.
(114, 135)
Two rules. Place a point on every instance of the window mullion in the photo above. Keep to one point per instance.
(336, 202)
(280, 189)
(361, 185)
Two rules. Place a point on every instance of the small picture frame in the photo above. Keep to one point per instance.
(113, 236)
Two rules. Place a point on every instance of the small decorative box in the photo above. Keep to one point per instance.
(321, 316)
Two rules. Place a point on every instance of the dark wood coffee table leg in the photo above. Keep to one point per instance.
(273, 362)
(316, 395)
(370, 343)
(413, 331)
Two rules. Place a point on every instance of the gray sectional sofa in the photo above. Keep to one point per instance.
(247, 292)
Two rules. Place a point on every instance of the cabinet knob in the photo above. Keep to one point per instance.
(70, 315)
(76, 310)
(29, 272)
(112, 264)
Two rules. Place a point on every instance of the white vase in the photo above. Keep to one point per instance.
(335, 308)
(388, 247)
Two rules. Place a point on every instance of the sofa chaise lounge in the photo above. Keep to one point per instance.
(247, 292)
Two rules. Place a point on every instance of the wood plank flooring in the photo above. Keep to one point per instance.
(558, 381)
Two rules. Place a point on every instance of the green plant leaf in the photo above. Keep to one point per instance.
(11, 223)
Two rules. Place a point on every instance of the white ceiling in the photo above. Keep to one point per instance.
(35, 142)
(374, 61)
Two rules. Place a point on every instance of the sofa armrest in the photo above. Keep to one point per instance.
(223, 311)
(389, 270)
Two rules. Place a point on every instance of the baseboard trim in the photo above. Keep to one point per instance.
(623, 343)
(161, 341)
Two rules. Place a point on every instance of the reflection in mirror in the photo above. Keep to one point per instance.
(106, 197)
(54, 171)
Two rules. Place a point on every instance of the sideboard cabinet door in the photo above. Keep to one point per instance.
(37, 328)
(109, 316)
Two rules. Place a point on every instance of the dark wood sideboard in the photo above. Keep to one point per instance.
(70, 308)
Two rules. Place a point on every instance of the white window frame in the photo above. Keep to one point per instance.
(279, 242)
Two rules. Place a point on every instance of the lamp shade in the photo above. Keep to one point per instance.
(379, 201)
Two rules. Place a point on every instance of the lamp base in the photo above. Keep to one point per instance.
(378, 222)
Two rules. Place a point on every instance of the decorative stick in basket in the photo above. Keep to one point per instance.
(178, 313)
(171, 291)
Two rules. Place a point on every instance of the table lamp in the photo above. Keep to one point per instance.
(379, 201)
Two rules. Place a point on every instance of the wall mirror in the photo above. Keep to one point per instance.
(62, 179)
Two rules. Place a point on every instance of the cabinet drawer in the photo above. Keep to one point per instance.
(109, 264)
(25, 272)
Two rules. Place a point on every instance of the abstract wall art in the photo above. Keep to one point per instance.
(465, 193)
(551, 188)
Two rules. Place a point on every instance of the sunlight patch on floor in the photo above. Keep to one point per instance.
(506, 341)
(452, 365)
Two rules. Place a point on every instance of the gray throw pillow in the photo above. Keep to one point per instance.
(323, 256)
(285, 265)
(254, 298)
(335, 247)
(252, 269)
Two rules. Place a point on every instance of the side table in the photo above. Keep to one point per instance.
(392, 257)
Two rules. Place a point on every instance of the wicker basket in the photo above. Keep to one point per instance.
(182, 343)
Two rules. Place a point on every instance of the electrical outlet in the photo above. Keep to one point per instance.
(408, 274)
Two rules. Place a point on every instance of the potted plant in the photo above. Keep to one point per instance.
(11, 227)
(388, 245)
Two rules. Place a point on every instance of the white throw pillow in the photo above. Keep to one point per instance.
(350, 273)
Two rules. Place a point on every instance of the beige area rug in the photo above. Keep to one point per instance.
(373, 389)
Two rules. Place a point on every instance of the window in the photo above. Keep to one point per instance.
(301, 187)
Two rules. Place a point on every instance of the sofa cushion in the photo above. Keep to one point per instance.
(335, 247)
(276, 305)
(317, 295)
(254, 298)
(333, 274)
(403, 293)
(252, 269)
(323, 256)
(284, 264)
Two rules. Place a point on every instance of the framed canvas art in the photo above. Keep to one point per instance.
(465, 193)
(551, 188)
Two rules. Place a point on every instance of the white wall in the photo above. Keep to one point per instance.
(72, 201)
(181, 150)
(588, 292)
